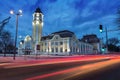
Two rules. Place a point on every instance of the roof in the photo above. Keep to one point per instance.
(38, 10)
(63, 31)
(91, 38)
(62, 34)
(90, 35)
(46, 37)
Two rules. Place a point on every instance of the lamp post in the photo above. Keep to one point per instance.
(19, 13)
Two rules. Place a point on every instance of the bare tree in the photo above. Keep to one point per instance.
(5, 38)
(113, 44)
(113, 41)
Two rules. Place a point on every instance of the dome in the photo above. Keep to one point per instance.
(38, 10)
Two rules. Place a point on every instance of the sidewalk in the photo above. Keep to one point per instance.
(21, 61)
(22, 58)
(10, 59)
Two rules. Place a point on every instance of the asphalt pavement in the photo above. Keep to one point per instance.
(21, 73)
(94, 67)
(109, 73)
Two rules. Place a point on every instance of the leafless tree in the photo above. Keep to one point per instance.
(113, 41)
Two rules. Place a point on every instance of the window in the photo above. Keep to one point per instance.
(56, 43)
(52, 43)
(45, 50)
(56, 49)
(65, 50)
(61, 43)
(65, 42)
(52, 49)
(74, 44)
(73, 49)
(45, 44)
(48, 49)
(61, 49)
(56, 37)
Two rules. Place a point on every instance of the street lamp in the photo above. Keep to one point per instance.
(19, 13)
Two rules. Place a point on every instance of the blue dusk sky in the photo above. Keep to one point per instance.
(79, 16)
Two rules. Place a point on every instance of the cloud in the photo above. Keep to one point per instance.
(91, 27)
(79, 16)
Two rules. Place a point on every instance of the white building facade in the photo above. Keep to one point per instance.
(64, 43)
(59, 43)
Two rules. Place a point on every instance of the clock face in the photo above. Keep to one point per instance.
(38, 17)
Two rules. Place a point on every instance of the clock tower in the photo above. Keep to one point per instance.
(37, 28)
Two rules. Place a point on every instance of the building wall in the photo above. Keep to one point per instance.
(65, 46)
(94, 41)
(56, 45)
(96, 48)
(59, 46)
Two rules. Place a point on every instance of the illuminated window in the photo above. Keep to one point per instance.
(37, 14)
(37, 22)
(37, 18)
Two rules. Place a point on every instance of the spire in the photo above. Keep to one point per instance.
(38, 10)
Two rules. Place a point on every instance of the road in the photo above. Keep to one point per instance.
(111, 73)
(107, 70)
(73, 68)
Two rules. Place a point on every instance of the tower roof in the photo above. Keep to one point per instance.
(38, 10)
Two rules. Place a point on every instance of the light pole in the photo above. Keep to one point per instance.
(106, 31)
(19, 13)
(106, 39)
